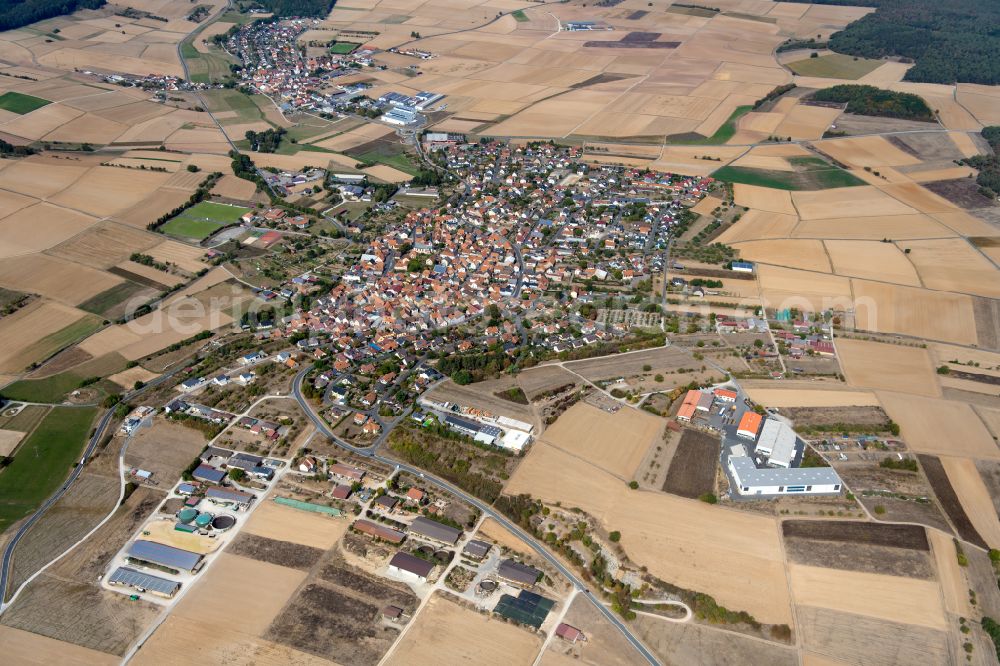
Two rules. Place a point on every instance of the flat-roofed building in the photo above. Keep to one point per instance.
(143, 582)
(777, 442)
(225, 495)
(750, 480)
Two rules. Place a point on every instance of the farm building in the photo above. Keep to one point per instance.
(689, 406)
(347, 472)
(518, 574)
(164, 556)
(379, 531)
(743, 267)
(143, 582)
(224, 495)
(777, 442)
(435, 531)
(749, 425)
(408, 567)
(569, 633)
(208, 474)
(476, 549)
(749, 480)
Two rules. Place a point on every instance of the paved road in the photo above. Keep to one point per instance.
(8, 553)
(486, 509)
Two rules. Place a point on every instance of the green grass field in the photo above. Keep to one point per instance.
(202, 220)
(834, 66)
(54, 389)
(725, 131)
(812, 173)
(50, 344)
(26, 419)
(223, 100)
(16, 102)
(520, 16)
(343, 48)
(101, 303)
(43, 461)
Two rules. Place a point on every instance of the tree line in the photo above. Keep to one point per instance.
(314, 8)
(18, 13)
(988, 165)
(950, 42)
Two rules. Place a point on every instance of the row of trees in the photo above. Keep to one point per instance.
(199, 195)
(949, 42)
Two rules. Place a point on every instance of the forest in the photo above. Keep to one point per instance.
(955, 41)
(266, 141)
(988, 165)
(17, 13)
(872, 101)
(317, 8)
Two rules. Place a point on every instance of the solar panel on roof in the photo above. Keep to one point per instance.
(126, 576)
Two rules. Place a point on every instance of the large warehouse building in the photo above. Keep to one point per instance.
(164, 556)
(749, 480)
(777, 442)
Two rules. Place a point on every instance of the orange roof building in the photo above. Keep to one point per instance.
(688, 407)
(749, 425)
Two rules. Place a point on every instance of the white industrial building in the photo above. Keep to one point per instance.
(749, 480)
(777, 442)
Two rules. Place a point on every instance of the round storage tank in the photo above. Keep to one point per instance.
(203, 520)
(187, 515)
(487, 585)
(223, 522)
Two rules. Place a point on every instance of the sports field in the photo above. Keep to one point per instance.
(20, 103)
(43, 461)
(202, 220)
(343, 48)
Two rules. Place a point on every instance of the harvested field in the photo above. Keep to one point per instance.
(863, 201)
(40, 227)
(127, 378)
(848, 556)
(953, 265)
(80, 613)
(811, 292)
(40, 330)
(910, 537)
(89, 559)
(23, 647)
(104, 245)
(184, 256)
(283, 523)
(104, 191)
(953, 582)
(704, 539)
(897, 227)
(833, 397)
(165, 449)
(9, 440)
(892, 598)
(85, 504)
(691, 643)
(330, 624)
(60, 280)
(447, 633)
(283, 553)
(846, 639)
(949, 501)
(974, 497)
(939, 427)
(231, 187)
(762, 198)
(692, 469)
(834, 418)
(542, 379)
(877, 365)
(493, 531)
(209, 605)
(807, 255)
(933, 315)
(616, 443)
(871, 260)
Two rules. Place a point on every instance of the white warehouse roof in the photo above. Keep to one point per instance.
(777, 440)
(747, 474)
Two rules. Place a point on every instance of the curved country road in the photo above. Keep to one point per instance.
(486, 509)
